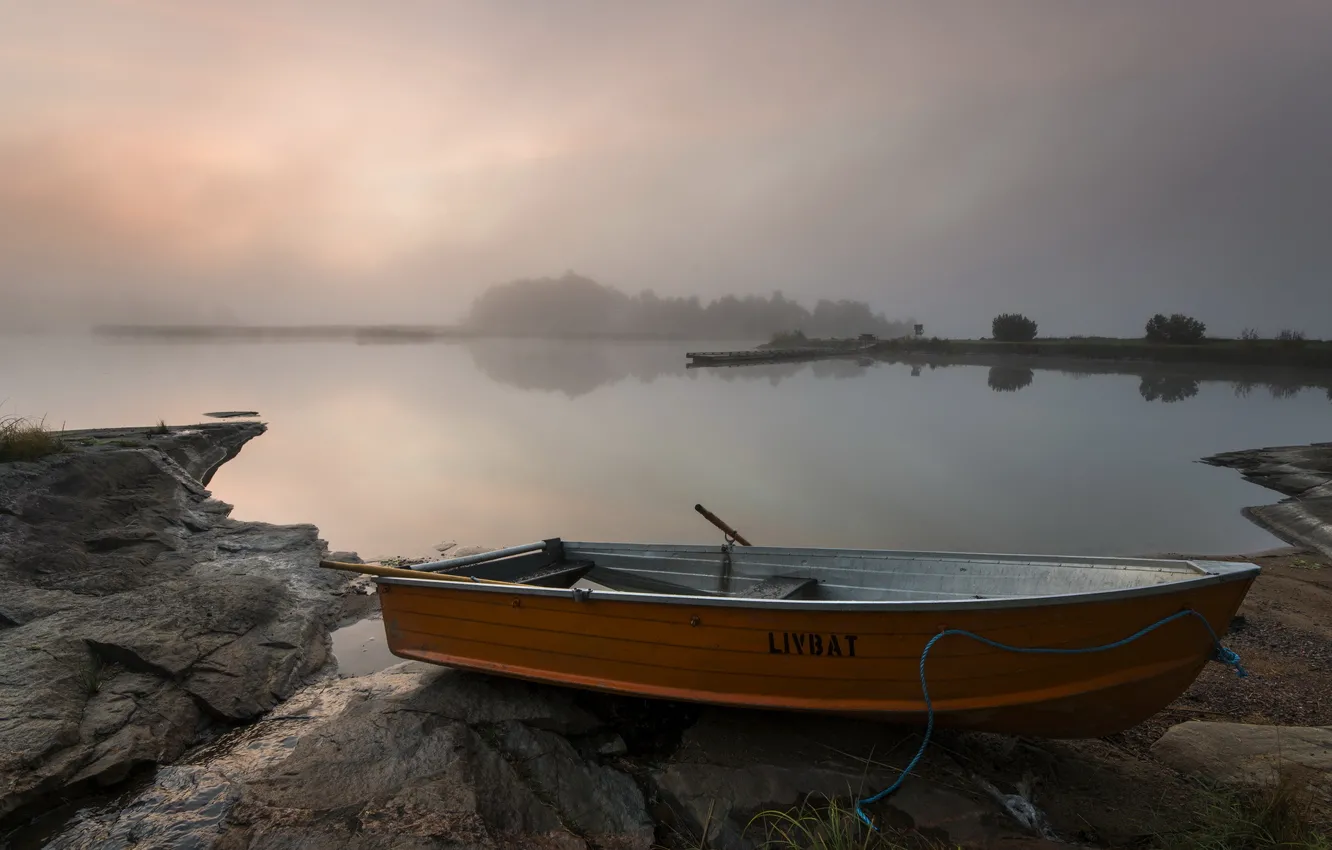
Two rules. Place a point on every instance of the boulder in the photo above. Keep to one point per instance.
(1246, 753)
(413, 756)
(134, 612)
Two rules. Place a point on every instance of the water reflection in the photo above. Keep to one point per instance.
(576, 368)
(1007, 379)
(572, 367)
(389, 449)
(1284, 389)
(1167, 388)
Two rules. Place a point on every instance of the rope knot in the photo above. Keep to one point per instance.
(1230, 658)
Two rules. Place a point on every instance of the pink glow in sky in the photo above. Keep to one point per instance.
(309, 161)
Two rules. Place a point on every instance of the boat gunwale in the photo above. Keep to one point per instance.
(885, 554)
(1214, 573)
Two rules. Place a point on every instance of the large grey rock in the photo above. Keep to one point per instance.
(133, 609)
(413, 756)
(1246, 753)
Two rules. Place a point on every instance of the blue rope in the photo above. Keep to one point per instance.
(1220, 653)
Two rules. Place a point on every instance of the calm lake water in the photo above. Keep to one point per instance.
(391, 449)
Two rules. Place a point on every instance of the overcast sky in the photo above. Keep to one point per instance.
(1087, 163)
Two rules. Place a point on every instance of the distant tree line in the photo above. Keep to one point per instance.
(573, 305)
(1175, 329)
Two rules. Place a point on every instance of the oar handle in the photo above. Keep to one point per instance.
(398, 572)
(726, 529)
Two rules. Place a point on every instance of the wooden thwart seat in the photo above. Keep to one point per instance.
(636, 583)
(556, 575)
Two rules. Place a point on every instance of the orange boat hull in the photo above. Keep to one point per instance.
(836, 661)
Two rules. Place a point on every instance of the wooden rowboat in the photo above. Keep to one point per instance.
(826, 630)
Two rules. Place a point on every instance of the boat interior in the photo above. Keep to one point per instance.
(766, 573)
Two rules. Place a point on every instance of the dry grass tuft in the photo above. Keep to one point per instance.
(26, 439)
(830, 825)
(1281, 815)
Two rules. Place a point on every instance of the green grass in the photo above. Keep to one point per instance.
(159, 429)
(1281, 815)
(27, 439)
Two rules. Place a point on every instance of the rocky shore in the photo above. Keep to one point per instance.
(165, 682)
(1301, 473)
(135, 616)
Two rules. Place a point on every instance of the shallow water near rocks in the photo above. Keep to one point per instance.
(361, 647)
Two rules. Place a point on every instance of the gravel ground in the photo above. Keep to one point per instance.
(1284, 636)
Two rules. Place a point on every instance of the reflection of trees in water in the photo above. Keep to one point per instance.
(577, 367)
(1283, 389)
(773, 373)
(1280, 389)
(572, 367)
(1009, 379)
(839, 368)
(1167, 388)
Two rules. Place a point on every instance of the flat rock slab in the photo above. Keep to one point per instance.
(1245, 753)
(1306, 521)
(1304, 474)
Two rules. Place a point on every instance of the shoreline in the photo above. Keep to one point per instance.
(1266, 354)
(1310, 354)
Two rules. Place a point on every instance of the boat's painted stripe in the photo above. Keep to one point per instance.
(873, 705)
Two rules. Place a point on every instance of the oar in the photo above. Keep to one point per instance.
(726, 529)
(377, 570)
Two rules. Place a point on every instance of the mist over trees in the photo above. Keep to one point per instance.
(573, 305)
